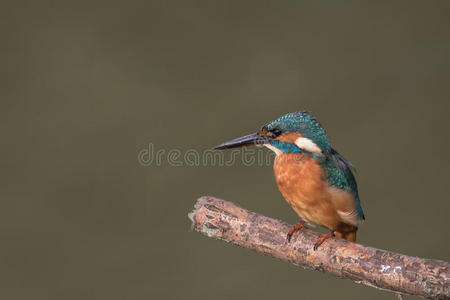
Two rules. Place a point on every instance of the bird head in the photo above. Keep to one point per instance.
(292, 132)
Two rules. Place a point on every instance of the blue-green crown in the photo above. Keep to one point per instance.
(303, 123)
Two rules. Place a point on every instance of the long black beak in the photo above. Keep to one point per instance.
(251, 139)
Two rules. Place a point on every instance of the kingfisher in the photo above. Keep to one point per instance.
(313, 177)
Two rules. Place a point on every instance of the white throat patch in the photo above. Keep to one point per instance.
(273, 148)
(307, 144)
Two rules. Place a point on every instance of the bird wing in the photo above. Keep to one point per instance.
(339, 174)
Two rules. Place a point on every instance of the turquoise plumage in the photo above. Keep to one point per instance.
(313, 177)
(339, 173)
(337, 168)
(302, 121)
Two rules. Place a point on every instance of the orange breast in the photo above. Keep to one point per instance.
(300, 180)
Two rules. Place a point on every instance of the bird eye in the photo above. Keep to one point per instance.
(276, 131)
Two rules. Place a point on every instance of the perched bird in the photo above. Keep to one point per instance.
(312, 176)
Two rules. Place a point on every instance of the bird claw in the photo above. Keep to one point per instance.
(288, 237)
(322, 238)
(316, 245)
(294, 229)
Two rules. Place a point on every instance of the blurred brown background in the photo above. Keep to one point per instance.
(86, 85)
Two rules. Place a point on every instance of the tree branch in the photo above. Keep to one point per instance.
(377, 268)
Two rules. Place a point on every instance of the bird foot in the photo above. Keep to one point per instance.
(294, 229)
(322, 238)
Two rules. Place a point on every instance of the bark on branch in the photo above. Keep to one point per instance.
(377, 268)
